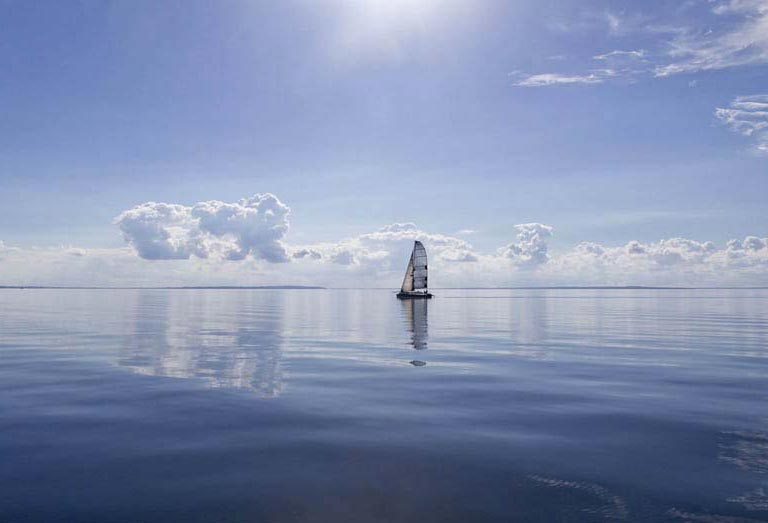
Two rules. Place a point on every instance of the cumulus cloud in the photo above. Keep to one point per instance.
(408, 232)
(640, 256)
(250, 227)
(394, 232)
(530, 250)
(387, 248)
(343, 257)
(748, 116)
(458, 256)
(750, 253)
(675, 261)
(378, 259)
(680, 250)
(399, 237)
(199, 239)
(257, 225)
(306, 253)
(529, 260)
(161, 231)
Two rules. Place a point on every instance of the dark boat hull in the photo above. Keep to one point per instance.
(413, 295)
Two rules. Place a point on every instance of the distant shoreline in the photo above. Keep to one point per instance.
(213, 287)
(594, 287)
(315, 287)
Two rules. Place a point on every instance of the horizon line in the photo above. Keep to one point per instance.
(318, 287)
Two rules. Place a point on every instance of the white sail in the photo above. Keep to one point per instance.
(408, 280)
(419, 261)
(415, 281)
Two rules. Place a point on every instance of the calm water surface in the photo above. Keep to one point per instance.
(271, 406)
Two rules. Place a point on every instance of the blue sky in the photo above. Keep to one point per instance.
(599, 119)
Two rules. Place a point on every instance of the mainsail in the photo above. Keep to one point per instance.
(408, 280)
(416, 273)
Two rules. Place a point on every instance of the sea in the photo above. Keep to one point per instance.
(506, 405)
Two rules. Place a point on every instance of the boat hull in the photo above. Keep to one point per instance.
(413, 295)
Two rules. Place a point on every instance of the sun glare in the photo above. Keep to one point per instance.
(385, 28)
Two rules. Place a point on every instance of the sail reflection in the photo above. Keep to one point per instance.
(227, 343)
(415, 316)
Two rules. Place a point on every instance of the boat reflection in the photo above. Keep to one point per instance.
(415, 317)
(227, 344)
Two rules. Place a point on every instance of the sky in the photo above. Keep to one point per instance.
(570, 142)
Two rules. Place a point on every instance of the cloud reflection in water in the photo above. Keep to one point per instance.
(178, 337)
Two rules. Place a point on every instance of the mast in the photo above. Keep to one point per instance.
(415, 280)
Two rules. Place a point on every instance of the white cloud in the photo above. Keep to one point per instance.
(665, 254)
(676, 261)
(531, 247)
(614, 23)
(257, 224)
(252, 226)
(306, 253)
(458, 256)
(375, 259)
(638, 54)
(748, 116)
(614, 65)
(547, 79)
(3, 250)
(446, 248)
(161, 231)
(388, 248)
(742, 41)
(734, 33)
(409, 232)
(343, 257)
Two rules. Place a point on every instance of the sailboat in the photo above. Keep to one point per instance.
(415, 281)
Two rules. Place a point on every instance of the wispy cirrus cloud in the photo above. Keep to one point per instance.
(742, 39)
(596, 76)
(732, 33)
(748, 116)
(612, 55)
